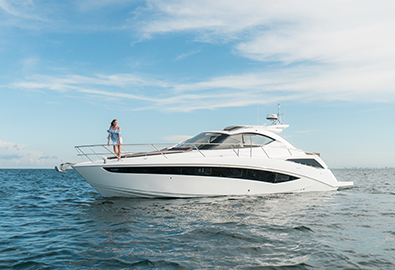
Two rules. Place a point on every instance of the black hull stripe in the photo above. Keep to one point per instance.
(226, 172)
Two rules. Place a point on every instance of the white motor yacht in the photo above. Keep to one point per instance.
(238, 160)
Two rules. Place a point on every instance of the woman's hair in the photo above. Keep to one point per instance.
(113, 122)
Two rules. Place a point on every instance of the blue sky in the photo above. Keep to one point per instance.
(170, 69)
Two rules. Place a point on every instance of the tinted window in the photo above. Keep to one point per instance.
(306, 161)
(203, 140)
(256, 139)
(209, 140)
(234, 141)
(226, 172)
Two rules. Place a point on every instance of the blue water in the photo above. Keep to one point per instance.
(50, 220)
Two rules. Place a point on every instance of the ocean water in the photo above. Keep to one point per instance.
(50, 220)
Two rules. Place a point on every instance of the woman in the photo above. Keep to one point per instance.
(114, 133)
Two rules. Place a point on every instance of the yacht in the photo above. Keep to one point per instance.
(237, 160)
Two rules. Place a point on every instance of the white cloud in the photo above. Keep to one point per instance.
(165, 96)
(185, 55)
(214, 18)
(351, 45)
(351, 32)
(328, 50)
(286, 31)
(66, 16)
(318, 50)
(90, 85)
(306, 83)
(14, 9)
(16, 155)
(335, 35)
(22, 10)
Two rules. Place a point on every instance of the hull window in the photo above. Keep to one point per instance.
(227, 172)
(307, 161)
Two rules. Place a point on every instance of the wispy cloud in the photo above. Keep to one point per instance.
(16, 155)
(164, 96)
(337, 32)
(285, 31)
(67, 16)
(24, 9)
(294, 83)
(185, 55)
(330, 50)
(10, 157)
(90, 85)
(210, 19)
(326, 50)
(365, 84)
(338, 46)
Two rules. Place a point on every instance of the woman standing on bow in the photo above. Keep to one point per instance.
(114, 133)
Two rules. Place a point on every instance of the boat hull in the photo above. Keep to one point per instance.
(238, 160)
(111, 184)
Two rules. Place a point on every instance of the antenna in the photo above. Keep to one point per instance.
(275, 118)
(279, 114)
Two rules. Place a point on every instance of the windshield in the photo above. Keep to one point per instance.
(203, 140)
(210, 140)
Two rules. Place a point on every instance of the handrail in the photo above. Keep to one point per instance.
(165, 151)
(153, 146)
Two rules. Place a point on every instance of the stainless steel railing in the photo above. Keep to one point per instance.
(104, 151)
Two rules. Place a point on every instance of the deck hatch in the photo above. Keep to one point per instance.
(227, 172)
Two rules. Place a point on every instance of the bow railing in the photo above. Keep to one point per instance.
(104, 151)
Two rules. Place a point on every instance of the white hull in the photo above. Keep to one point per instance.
(243, 160)
(193, 186)
(111, 184)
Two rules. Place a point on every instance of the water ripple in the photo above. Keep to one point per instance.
(50, 220)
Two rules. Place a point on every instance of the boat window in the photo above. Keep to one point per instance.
(204, 140)
(210, 140)
(234, 141)
(307, 161)
(224, 172)
(256, 139)
(243, 140)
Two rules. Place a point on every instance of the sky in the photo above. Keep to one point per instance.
(172, 69)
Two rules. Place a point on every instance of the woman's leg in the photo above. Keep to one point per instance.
(115, 150)
(119, 152)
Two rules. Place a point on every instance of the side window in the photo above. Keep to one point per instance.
(203, 140)
(234, 141)
(256, 139)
